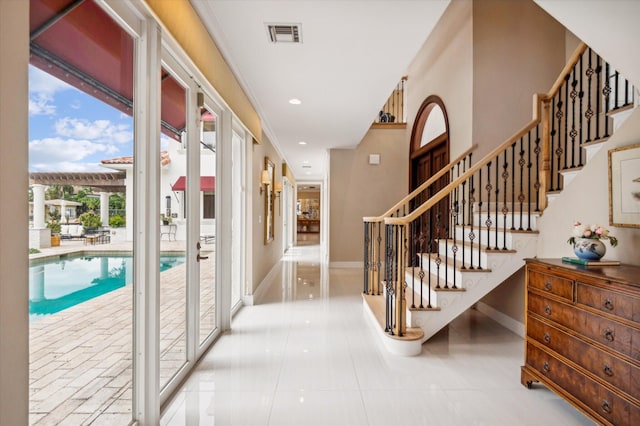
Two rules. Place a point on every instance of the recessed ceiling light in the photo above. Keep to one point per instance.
(302, 143)
(305, 162)
(307, 173)
(295, 101)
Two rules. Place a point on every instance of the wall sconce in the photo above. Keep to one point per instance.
(278, 189)
(264, 181)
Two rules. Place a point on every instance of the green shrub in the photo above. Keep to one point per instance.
(90, 220)
(116, 221)
(33, 250)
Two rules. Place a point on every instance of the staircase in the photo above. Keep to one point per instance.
(426, 264)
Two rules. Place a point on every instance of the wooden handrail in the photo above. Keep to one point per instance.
(538, 100)
(567, 69)
(421, 188)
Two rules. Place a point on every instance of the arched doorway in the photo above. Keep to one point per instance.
(429, 152)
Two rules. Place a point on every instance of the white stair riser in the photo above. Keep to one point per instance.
(480, 236)
(511, 220)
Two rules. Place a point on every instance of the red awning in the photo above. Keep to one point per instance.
(77, 42)
(207, 184)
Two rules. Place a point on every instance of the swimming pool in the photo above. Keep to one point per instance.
(60, 283)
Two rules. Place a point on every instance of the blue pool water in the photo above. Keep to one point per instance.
(58, 284)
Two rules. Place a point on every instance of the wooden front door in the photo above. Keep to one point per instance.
(429, 155)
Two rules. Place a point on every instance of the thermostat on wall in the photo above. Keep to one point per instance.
(374, 158)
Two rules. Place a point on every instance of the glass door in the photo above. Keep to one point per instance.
(174, 221)
(207, 242)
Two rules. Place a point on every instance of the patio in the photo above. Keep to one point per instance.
(80, 358)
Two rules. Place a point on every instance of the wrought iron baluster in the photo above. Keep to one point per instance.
(522, 163)
(472, 201)
(553, 141)
(606, 91)
(559, 151)
(366, 258)
(529, 187)
(566, 119)
(537, 150)
(497, 192)
(588, 114)
(597, 96)
(489, 188)
(464, 210)
(573, 133)
(580, 96)
(505, 209)
(513, 186)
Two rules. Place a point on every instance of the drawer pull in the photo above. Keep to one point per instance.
(608, 304)
(607, 370)
(547, 337)
(608, 334)
(606, 407)
(546, 367)
(547, 286)
(547, 310)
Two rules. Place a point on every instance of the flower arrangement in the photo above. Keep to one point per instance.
(593, 232)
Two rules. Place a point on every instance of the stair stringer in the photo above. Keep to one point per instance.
(476, 285)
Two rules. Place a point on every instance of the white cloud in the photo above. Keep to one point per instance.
(98, 130)
(42, 88)
(41, 104)
(55, 151)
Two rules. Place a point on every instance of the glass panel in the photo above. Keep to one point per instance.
(435, 124)
(237, 217)
(208, 138)
(80, 305)
(172, 211)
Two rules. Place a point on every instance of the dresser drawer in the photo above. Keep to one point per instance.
(617, 336)
(621, 305)
(606, 366)
(596, 397)
(557, 286)
(551, 309)
(612, 334)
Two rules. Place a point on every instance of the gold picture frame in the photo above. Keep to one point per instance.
(624, 186)
(269, 221)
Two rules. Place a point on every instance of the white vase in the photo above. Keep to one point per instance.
(589, 248)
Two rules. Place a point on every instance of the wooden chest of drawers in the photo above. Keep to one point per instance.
(583, 337)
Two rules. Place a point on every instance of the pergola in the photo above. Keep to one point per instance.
(104, 183)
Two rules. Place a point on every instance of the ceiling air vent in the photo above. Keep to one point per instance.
(284, 33)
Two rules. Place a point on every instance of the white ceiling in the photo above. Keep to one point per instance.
(609, 27)
(353, 53)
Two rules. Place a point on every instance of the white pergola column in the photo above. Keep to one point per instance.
(38, 206)
(104, 208)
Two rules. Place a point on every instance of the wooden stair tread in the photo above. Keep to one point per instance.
(500, 229)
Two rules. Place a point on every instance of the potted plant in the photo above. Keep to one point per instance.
(90, 221)
(586, 241)
(55, 227)
(165, 219)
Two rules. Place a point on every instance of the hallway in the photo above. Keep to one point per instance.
(306, 356)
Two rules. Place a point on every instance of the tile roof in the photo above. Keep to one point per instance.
(164, 159)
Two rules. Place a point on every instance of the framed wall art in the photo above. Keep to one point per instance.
(624, 186)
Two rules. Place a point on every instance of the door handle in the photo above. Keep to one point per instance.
(199, 258)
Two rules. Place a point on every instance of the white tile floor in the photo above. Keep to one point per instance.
(306, 356)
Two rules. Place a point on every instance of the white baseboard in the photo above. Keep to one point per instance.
(258, 294)
(502, 319)
(352, 265)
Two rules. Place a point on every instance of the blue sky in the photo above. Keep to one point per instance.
(70, 130)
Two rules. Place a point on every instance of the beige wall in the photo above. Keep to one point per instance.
(14, 280)
(265, 256)
(358, 189)
(185, 26)
(518, 50)
(444, 67)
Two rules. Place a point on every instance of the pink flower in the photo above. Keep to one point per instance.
(577, 223)
(587, 233)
